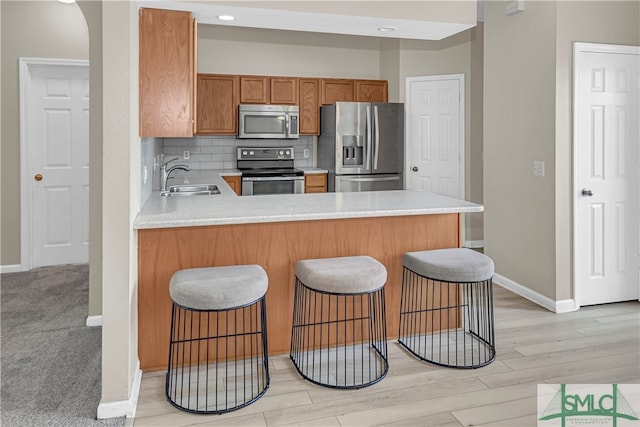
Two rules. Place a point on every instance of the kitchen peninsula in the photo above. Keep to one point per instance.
(275, 231)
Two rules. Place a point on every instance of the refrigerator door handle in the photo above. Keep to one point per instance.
(369, 142)
(376, 136)
(371, 179)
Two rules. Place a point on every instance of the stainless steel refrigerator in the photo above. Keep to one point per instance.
(361, 144)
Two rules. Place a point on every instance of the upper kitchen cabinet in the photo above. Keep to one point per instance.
(167, 69)
(372, 90)
(218, 99)
(309, 106)
(334, 90)
(284, 90)
(268, 90)
(254, 90)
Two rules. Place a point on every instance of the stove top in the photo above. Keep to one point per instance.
(267, 161)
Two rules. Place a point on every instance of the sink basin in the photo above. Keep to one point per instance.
(191, 190)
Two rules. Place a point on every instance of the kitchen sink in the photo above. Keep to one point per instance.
(191, 190)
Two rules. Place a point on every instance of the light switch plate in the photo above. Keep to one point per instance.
(538, 168)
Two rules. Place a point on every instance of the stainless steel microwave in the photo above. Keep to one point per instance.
(268, 121)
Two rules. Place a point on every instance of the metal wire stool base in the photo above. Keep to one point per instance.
(339, 340)
(218, 360)
(447, 324)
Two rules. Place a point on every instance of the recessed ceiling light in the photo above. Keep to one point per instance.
(226, 18)
(386, 29)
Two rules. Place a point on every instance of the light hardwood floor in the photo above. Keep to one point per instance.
(599, 344)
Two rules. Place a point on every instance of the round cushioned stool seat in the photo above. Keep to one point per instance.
(446, 308)
(218, 288)
(343, 275)
(458, 265)
(218, 356)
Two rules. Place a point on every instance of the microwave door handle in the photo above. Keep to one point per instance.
(368, 141)
(286, 125)
(376, 135)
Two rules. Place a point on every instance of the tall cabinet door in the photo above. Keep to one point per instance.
(167, 58)
(309, 107)
(218, 99)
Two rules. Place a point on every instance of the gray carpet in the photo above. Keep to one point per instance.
(50, 361)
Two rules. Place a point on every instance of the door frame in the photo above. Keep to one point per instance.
(25, 85)
(463, 137)
(578, 48)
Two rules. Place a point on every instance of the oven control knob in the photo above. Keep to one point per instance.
(251, 153)
(287, 153)
(244, 153)
(281, 152)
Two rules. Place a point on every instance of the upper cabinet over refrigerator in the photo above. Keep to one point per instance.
(361, 144)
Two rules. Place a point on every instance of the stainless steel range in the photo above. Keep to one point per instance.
(269, 171)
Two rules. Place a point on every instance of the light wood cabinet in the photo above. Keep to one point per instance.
(268, 90)
(309, 106)
(315, 183)
(235, 183)
(334, 90)
(217, 106)
(166, 73)
(284, 90)
(372, 90)
(254, 90)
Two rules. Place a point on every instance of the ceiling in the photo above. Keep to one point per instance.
(275, 16)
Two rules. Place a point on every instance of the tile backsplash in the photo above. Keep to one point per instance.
(219, 152)
(213, 152)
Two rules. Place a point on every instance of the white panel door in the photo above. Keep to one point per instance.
(58, 129)
(435, 136)
(606, 156)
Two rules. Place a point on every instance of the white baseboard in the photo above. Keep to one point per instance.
(94, 320)
(473, 244)
(563, 306)
(14, 268)
(122, 408)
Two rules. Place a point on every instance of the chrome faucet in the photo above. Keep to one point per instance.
(166, 172)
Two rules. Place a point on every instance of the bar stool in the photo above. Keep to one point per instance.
(339, 338)
(218, 358)
(446, 307)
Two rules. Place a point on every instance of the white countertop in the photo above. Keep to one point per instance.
(228, 208)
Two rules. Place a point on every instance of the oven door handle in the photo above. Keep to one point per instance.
(273, 178)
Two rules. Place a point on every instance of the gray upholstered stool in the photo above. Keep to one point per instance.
(339, 336)
(218, 358)
(446, 307)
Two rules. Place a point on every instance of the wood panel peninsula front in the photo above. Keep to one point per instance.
(276, 231)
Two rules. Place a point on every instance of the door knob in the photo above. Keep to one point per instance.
(415, 169)
(38, 177)
(586, 192)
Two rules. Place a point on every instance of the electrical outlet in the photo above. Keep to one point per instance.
(305, 153)
(538, 168)
(186, 154)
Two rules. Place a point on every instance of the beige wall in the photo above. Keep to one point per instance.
(527, 92)
(236, 50)
(92, 10)
(458, 54)
(519, 127)
(599, 22)
(61, 33)
(121, 201)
